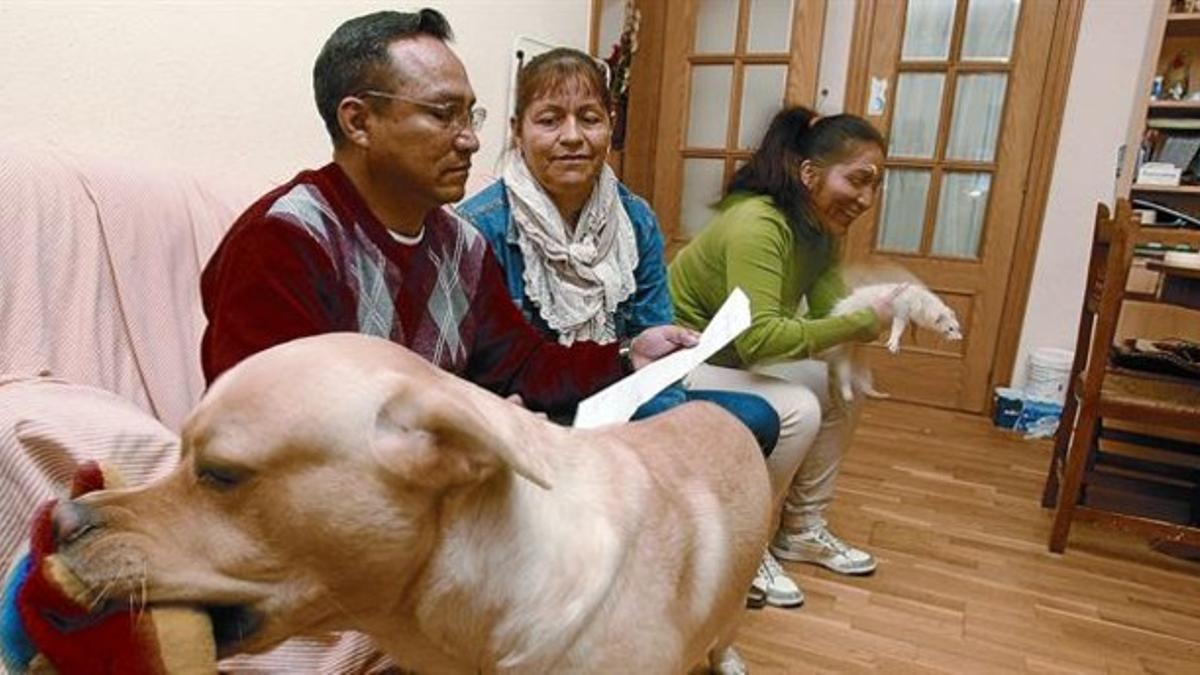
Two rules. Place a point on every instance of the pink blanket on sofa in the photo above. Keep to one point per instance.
(99, 285)
(98, 275)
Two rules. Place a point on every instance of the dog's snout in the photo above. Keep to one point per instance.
(72, 520)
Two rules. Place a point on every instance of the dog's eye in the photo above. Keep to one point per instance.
(219, 478)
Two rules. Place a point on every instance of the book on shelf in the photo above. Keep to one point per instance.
(1162, 215)
(1168, 157)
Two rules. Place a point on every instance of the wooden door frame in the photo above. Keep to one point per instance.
(664, 35)
(636, 169)
(808, 30)
(648, 90)
(1038, 178)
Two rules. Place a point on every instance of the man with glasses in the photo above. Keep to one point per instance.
(364, 244)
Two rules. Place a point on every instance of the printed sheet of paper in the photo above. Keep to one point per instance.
(617, 402)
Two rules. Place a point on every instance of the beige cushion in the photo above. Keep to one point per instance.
(47, 426)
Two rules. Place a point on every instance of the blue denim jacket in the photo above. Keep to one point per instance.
(650, 304)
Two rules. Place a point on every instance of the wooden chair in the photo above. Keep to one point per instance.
(1099, 394)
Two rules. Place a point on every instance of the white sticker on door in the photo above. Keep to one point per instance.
(878, 101)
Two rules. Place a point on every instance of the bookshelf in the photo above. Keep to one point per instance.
(1175, 189)
(1170, 236)
(1185, 106)
(1183, 25)
(1170, 124)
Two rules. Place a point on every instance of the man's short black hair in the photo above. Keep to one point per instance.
(355, 57)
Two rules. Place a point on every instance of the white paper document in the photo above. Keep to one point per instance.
(617, 402)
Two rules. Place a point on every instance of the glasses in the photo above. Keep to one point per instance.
(453, 117)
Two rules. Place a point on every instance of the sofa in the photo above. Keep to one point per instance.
(100, 325)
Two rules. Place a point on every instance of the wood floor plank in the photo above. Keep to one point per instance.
(950, 506)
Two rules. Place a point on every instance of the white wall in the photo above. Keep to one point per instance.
(224, 87)
(1104, 85)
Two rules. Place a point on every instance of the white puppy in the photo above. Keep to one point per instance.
(342, 482)
(909, 301)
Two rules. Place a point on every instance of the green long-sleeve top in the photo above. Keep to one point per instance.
(749, 244)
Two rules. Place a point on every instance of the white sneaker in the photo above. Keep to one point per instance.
(820, 547)
(774, 582)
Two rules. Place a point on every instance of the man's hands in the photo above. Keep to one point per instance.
(658, 341)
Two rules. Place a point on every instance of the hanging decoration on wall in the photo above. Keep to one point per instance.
(619, 62)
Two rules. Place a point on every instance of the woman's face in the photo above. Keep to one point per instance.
(563, 136)
(841, 192)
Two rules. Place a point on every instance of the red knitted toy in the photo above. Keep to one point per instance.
(73, 637)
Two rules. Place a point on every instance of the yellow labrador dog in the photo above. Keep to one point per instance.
(342, 482)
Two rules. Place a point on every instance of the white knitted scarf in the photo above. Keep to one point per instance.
(575, 280)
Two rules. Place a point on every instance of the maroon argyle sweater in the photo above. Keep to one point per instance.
(309, 258)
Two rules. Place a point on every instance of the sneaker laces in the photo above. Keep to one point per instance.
(770, 566)
(827, 538)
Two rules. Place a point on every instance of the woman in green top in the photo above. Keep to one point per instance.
(775, 235)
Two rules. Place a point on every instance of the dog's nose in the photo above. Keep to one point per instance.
(71, 521)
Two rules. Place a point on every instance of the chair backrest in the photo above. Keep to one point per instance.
(1113, 240)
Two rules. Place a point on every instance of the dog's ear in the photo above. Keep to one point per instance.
(434, 438)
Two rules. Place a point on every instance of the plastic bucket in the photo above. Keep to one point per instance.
(1049, 374)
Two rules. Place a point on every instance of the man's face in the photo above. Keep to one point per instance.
(422, 148)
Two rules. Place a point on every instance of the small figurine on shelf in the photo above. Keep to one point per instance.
(1177, 76)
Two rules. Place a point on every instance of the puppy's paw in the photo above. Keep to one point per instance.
(893, 346)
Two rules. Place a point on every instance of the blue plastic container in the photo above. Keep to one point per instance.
(1040, 416)
(1007, 407)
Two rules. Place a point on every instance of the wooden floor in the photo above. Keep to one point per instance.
(950, 508)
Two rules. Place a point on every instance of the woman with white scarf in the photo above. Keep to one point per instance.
(582, 255)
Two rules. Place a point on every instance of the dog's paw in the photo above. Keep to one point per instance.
(847, 393)
(893, 346)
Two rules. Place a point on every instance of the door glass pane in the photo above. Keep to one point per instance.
(900, 226)
(708, 113)
(762, 97)
(770, 26)
(702, 183)
(991, 25)
(978, 106)
(927, 28)
(915, 118)
(716, 26)
(961, 209)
